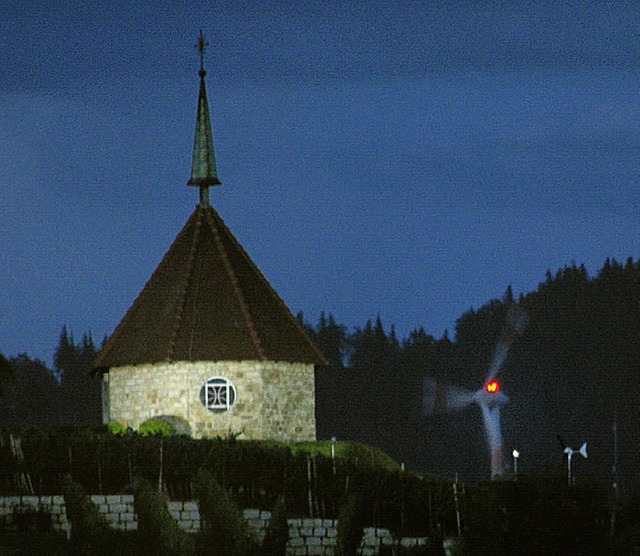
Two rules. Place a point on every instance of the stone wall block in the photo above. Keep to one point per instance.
(251, 513)
(295, 542)
(294, 532)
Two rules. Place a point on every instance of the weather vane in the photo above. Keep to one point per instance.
(202, 46)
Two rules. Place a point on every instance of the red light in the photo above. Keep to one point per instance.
(493, 387)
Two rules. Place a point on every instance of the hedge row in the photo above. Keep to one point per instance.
(256, 474)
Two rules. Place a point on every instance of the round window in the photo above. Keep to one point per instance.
(218, 394)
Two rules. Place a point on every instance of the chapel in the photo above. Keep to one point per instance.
(208, 344)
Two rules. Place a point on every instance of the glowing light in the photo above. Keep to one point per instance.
(493, 387)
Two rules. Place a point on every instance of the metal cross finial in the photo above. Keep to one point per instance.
(202, 46)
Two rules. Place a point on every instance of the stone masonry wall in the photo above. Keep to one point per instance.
(307, 537)
(274, 400)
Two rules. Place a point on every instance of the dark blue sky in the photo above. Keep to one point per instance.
(391, 158)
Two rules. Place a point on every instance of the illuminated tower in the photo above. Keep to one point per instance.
(208, 343)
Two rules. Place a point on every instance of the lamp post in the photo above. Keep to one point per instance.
(333, 454)
(516, 457)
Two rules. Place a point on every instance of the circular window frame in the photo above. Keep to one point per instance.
(218, 394)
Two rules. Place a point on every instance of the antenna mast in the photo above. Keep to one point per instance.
(614, 468)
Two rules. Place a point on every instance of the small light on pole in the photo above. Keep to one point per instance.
(516, 457)
(333, 454)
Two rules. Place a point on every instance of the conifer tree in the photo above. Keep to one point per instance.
(80, 391)
(6, 373)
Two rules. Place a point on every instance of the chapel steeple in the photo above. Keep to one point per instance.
(204, 173)
(208, 332)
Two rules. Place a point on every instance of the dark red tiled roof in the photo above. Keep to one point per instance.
(207, 301)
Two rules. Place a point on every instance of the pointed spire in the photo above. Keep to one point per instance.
(203, 170)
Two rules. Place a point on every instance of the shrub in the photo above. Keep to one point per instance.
(277, 533)
(158, 532)
(350, 526)
(224, 531)
(118, 429)
(156, 427)
(89, 528)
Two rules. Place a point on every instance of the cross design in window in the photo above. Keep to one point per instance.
(219, 394)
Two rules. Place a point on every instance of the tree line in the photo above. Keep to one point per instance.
(33, 394)
(571, 375)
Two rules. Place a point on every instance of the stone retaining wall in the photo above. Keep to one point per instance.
(307, 537)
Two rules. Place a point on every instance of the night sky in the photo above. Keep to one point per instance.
(403, 159)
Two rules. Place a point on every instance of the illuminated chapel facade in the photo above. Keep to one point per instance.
(208, 344)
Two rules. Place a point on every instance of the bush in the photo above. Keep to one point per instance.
(156, 427)
(224, 531)
(277, 533)
(159, 533)
(89, 528)
(118, 429)
(350, 526)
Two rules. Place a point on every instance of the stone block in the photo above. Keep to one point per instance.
(294, 542)
(251, 514)
(257, 524)
(30, 500)
(294, 532)
(11, 501)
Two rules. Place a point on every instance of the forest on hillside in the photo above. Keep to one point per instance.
(573, 370)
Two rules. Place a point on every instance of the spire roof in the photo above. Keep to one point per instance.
(207, 301)
(204, 172)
